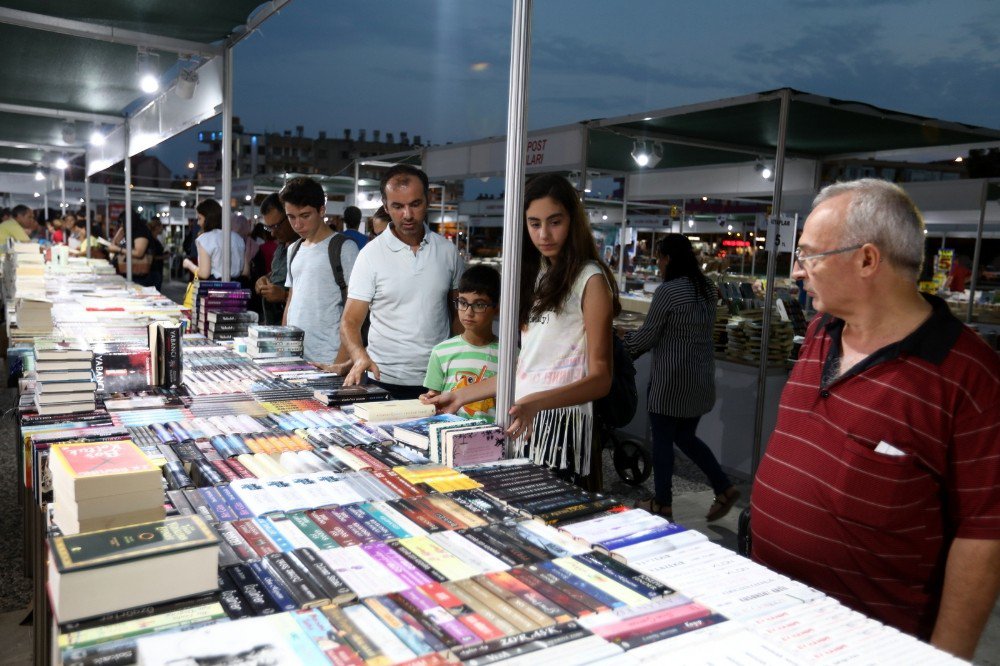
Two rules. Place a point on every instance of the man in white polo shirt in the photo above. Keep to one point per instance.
(407, 279)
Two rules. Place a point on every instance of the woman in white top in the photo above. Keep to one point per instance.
(209, 244)
(566, 307)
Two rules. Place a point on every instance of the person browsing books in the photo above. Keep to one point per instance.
(315, 303)
(678, 330)
(209, 244)
(471, 357)
(566, 307)
(406, 279)
(271, 287)
(881, 482)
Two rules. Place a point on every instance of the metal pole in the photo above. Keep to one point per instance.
(107, 214)
(621, 238)
(517, 108)
(227, 161)
(772, 258)
(975, 254)
(127, 135)
(357, 194)
(86, 197)
(45, 201)
(62, 205)
(795, 240)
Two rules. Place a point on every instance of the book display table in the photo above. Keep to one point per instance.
(337, 545)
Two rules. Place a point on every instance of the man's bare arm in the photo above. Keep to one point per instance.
(971, 585)
(350, 340)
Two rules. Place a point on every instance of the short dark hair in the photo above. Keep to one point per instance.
(271, 202)
(20, 209)
(211, 210)
(303, 191)
(382, 214)
(403, 173)
(481, 279)
(352, 217)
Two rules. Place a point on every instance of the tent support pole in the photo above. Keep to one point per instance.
(86, 197)
(772, 259)
(517, 107)
(975, 255)
(127, 134)
(621, 237)
(227, 161)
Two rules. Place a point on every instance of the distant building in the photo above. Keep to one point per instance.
(277, 153)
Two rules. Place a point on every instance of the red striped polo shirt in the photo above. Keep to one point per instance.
(870, 529)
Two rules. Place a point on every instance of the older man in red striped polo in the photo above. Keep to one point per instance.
(881, 482)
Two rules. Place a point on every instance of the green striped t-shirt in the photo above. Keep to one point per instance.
(455, 364)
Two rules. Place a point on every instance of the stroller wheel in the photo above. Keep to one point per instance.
(632, 462)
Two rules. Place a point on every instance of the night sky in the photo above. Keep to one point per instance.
(440, 69)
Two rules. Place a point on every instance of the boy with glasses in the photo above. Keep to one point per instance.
(471, 357)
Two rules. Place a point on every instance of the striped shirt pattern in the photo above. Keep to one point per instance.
(678, 330)
(870, 529)
(455, 364)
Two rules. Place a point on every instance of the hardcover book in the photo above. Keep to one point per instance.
(102, 572)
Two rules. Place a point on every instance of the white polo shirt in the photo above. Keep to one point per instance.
(407, 293)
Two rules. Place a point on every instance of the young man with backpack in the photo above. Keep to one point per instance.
(319, 268)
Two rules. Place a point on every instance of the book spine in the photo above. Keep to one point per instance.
(217, 505)
(281, 597)
(234, 603)
(260, 603)
(331, 584)
(604, 598)
(353, 636)
(321, 539)
(254, 537)
(319, 630)
(303, 592)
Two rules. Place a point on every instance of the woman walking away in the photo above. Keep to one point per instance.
(678, 330)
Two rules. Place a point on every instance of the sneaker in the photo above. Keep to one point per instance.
(722, 504)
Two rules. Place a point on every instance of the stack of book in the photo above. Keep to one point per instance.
(217, 296)
(332, 392)
(99, 485)
(33, 315)
(274, 341)
(166, 359)
(224, 326)
(109, 570)
(63, 381)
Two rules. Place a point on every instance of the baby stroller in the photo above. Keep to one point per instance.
(631, 457)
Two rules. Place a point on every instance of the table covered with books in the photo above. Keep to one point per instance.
(221, 501)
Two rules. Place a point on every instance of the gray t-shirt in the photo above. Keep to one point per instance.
(316, 305)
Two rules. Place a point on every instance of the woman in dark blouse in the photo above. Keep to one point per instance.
(678, 330)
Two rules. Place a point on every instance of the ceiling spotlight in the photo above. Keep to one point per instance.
(82, 200)
(704, 198)
(184, 203)
(39, 175)
(69, 132)
(959, 159)
(61, 163)
(97, 138)
(147, 69)
(187, 183)
(37, 195)
(729, 228)
(647, 153)
(604, 217)
(764, 170)
(138, 209)
(248, 197)
(190, 165)
(187, 81)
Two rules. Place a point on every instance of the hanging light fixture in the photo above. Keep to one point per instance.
(647, 153)
(60, 163)
(97, 137)
(39, 174)
(147, 69)
(187, 81)
(69, 132)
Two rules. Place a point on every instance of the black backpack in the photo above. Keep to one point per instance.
(336, 243)
(617, 408)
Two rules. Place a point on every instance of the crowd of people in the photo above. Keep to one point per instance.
(880, 485)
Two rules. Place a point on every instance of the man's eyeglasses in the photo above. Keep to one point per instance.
(272, 227)
(808, 260)
(477, 307)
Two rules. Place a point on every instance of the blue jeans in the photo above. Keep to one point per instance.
(671, 430)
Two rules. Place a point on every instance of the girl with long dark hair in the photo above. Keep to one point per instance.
(678, 330)
(567, 302)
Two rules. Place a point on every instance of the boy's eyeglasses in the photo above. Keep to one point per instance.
(464, 305)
